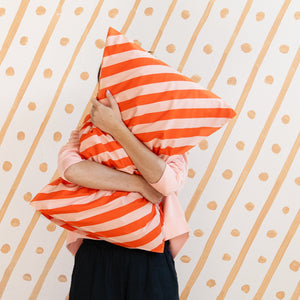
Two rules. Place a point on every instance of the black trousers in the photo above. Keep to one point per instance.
(104, 271)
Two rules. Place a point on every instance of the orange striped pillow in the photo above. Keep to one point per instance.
(165, 110)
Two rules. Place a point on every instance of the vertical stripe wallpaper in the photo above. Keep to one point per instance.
(242, 194)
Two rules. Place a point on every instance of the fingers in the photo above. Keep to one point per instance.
(111, 99)
(95, 102)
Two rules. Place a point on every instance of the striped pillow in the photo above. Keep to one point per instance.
(167, 111)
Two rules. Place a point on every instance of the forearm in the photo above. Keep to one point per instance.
(149, 164)
(97, 176)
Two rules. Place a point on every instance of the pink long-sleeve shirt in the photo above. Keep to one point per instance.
(176, 227)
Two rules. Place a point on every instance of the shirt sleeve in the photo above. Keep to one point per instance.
(171, 180)
(69, 154)
(174, 175)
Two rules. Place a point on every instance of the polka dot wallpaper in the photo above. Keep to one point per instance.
(242, 194)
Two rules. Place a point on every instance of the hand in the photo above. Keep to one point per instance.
(148, 192)
(106, 118)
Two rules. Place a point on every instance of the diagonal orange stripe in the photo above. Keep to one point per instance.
(41, 281)
(49, 113)
(195, 198)
(266, 208)
(296, 294)
(278, 257)
(130, 17)
(256, 148)
(195, 35)
(37, 288)
(13, 28)
(163, 25)
(230, 44)
(18, 252)
(36, 60)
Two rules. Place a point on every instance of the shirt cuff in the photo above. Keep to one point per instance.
(174, 175)
(69, 154)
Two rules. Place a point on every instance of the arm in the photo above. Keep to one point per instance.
(108, 119)
(97, 176)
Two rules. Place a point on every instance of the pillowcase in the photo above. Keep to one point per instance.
(165, 110)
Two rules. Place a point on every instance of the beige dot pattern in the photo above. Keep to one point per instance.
(227, 174)
(47, 78)
(51, 227)
(203, 145)
(260, 16)
(212, 205)
(208, 49)
(185, 259)
(41, 10)
(69, 108)
(224, 12)
(249, 206)
(191, 173)
(27, 196)
(263, 176)
(235, 232)
(148, 11)
(138, 42)
(24, 40)
(262, 259)
(284, 48)
(231, 81)
(245, 288)
(246, 47)
(196, 78)
(5, 248)
(10, 71)
(240, 145)
(280, 295)
(295, 266)
(57, 136)
(7, 165)
(269, 79)
(211, 283)
(48, 73)
(43, 167)
(78, 11)
(285, 119)
(31, 106)
(62, 278)
(276, 148)
(2, 11)
(27, 277)
(226, 257)
(171, 48)
(15, 222)
(185, 14)
(39, 250)
(64, 41)
(198, 233)
(113, 13)
(84, 75)
(297, 180)
(285, 210)
(99, 43)
(21, 135)
(271, 234)
(251, 114)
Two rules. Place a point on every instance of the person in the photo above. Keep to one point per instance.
(106, 271)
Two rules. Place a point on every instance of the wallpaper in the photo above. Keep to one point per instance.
(242, 194)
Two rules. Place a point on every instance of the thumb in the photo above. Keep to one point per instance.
(111, 99)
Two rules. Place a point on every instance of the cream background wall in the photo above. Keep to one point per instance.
(242, 195)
